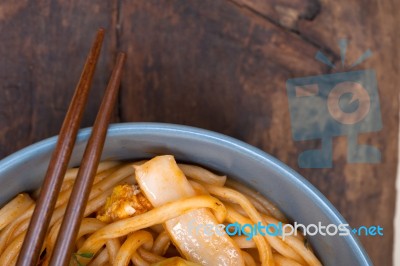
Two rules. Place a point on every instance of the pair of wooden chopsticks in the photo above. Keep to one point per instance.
(42, 214)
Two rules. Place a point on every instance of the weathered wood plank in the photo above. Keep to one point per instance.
(43, 49)
(368, 190)
(223, 65)
(220, 65)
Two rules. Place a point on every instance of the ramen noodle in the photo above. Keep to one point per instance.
(160, 213)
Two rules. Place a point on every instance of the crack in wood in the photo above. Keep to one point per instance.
(312, 11)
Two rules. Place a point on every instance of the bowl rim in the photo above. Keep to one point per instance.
(115, 129)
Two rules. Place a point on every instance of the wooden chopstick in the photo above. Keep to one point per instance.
(80, 193)
(41, 216)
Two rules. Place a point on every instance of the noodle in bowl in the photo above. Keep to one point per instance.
(292, 194)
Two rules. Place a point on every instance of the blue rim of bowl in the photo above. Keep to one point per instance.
(193, 132)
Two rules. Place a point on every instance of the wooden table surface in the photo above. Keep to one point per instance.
(220, 65)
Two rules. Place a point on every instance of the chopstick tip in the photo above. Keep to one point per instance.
(100, 33)
(121, 55)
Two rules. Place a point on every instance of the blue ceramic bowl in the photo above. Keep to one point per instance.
(295, 196)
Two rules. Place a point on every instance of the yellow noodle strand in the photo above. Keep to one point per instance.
(161, 243)
(248, 259)
(113, 245)
(149, 256)
(243, 205)
(132, 243)
(12, 251)
(101, 259)
(152, 217)
(242, 242)
(138, 261)
(275, 212)
(264, 250)
(283, 261)
(237, 197)
(202, 174)
(15, 208)
(7, 233)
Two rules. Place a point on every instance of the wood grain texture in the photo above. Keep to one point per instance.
(369, 190)
(220, 65)
(43, 49)
(223, 65)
